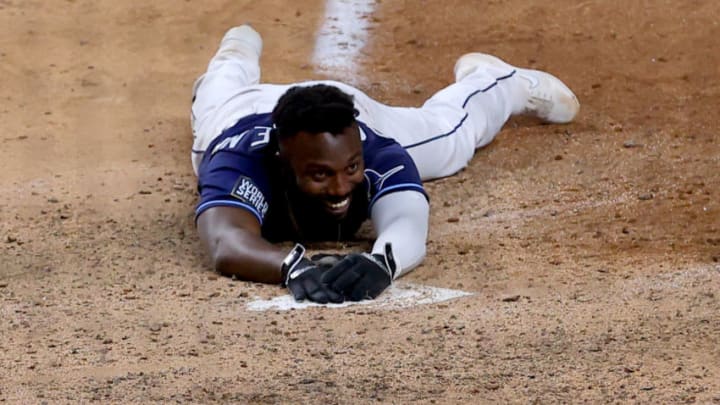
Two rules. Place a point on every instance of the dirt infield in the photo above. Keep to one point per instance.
(592, 249)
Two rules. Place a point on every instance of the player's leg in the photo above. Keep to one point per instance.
(235, 65)
(461, 118)
(544, 95)
(443, 134)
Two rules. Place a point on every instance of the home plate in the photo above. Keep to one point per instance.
(400, 295)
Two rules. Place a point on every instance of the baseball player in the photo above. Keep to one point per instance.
(314, 160)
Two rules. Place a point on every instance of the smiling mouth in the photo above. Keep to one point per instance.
(340, 205)
(338, 208)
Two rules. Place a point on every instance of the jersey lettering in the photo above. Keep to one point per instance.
(230, 142)
(264, 137)
(246, 191)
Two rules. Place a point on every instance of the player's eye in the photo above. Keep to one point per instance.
(353, 168)
(318, 176)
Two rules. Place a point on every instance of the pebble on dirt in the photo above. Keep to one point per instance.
(631, 144)
(155, 327)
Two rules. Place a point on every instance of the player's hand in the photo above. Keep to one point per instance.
(304, 282)
(359, 276)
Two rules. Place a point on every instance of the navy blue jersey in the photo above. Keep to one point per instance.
(240, 169)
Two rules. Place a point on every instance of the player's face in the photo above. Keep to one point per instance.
(327, 167)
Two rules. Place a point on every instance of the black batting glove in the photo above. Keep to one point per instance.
(303, 278)
(361, 276)
(304, 282)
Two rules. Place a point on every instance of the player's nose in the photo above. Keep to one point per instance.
(340, 186)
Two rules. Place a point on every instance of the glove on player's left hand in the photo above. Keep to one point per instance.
(304, 282)
(303, 278)
(360, 276)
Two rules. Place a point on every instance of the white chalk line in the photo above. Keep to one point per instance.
(341, 38)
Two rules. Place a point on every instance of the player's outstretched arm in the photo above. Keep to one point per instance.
(401, 221)
(236, 247)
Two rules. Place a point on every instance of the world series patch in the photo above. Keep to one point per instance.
(246, 191)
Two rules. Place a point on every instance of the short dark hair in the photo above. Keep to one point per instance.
(317, 108)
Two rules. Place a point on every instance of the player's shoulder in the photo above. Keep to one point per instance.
(374, 140)
(388, 166)
(379, 150)
(248, 135)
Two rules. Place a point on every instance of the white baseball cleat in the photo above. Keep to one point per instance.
(548, 98)
(243, 38)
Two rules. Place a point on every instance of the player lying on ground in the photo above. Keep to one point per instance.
(312, 161)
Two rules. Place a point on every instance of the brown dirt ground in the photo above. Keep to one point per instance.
(592, 248)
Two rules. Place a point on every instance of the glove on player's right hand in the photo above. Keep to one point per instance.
(304, 282)
(359, 276)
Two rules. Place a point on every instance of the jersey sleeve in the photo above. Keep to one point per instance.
(233, 179)
(389, 168)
